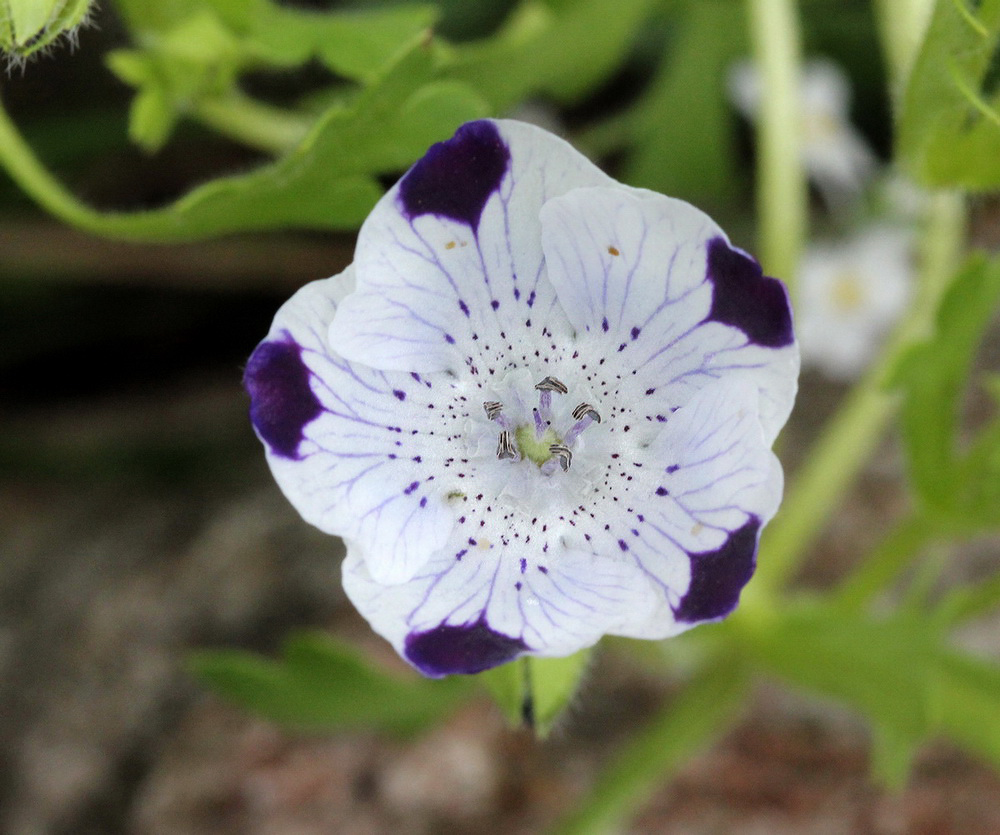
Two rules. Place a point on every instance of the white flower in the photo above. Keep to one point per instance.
(834, 154)
(850, 295)
(538, 407)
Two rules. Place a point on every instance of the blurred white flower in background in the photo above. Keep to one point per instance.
(835, 155)
(850, 294)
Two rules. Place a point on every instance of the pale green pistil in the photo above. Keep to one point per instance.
(533, 448)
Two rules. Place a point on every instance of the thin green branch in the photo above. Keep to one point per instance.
(257, 125)
(686, 725)
(850, 437)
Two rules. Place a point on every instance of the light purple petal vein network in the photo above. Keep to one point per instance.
(538, 407)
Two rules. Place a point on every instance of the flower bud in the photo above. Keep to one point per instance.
(27, 26)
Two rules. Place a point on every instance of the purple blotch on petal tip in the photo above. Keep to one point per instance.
(455, 178)
(446, 650)
(717, 577)
(282, 403)
(742, 296)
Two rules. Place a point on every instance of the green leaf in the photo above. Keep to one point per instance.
(961, 487)
(330, 180)
(559, 49)
(356, 45)
(323, 683)
(949, 131)
(681, 129)
(967, 692)
(880, 667)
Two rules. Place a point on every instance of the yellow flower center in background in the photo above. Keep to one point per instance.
(847, 292)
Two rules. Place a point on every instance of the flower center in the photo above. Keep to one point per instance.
(532, 447)
(538, 442)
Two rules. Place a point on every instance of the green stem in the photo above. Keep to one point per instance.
(781, 186)
(902, 24)
(897, 548)
(686, 725)
(852, 434)
(260, 126)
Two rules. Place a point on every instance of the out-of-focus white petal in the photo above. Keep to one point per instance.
(850, 295)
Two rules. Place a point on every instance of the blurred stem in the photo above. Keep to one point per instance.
(25, 169)
(902, 24)
(686, 725)
(851, 435)
(781, 186)
(257, 125)
(879, 568)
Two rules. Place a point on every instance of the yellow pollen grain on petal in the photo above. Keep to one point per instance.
(846, 292)
(613, 250)
(484, 545)
(450, 245)
(697, 529)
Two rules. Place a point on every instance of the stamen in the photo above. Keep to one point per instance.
(540, 425)
(585, 414)
(563, 454)
(546, 387)
(505, 446)
(492, 408)
(586, 409)
(552, 384)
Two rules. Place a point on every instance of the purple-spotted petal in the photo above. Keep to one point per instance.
(449, 263)
(663, 507)
(358, 452)
(651, 284)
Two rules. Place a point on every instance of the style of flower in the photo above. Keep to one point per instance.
(538, 407)
(835, 155)
(850, 295)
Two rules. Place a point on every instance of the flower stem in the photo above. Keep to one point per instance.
(853, 432)
(151, 226)
(687, 723)
(257, 125)
(781, 186)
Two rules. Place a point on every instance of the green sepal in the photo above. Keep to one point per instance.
(534, 691)
(28, 26)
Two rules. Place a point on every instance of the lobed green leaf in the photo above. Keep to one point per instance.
(961, 486)
(321, 682)
(949, 126)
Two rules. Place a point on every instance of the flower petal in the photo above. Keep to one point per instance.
(357, 451)
(686, 509)
(478, 604)
(449, 263)
(651, 284)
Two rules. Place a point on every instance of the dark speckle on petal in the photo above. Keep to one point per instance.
(454, 179)
(717, 577)
(460, 649)
(742, 296)
(281, 401)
